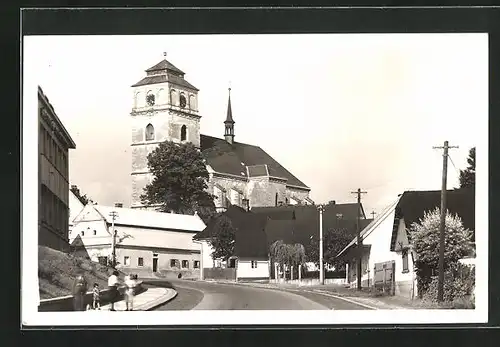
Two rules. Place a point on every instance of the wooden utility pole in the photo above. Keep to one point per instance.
(443, 219)
(358, 233)
(321, 265)
(113, 215)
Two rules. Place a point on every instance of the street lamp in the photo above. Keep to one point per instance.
(321, 270)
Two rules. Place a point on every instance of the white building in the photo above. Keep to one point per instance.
(386, 248)
(147, 242)
(75, 207)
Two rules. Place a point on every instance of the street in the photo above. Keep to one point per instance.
(197, 295)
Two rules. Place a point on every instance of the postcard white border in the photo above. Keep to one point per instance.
(29, 262)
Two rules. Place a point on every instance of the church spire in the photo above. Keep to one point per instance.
(229, 122)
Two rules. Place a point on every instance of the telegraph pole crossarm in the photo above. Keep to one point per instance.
(359, 241)
(442, 220)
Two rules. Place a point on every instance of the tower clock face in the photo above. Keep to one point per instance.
(150, 99)
(182, 101)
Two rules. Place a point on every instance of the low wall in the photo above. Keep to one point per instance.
(65, 303)
(219, 274)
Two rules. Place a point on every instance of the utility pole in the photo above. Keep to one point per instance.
(113, 215)
(360, 243)
(321, 265)
(443, 219)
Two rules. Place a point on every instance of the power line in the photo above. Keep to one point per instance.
(451, 160)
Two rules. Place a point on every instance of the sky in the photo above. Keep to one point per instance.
(340, 111)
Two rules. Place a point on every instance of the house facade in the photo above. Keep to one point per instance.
(54, 143)
(387, 253)
(165, 107)
(75, 207)
(146, 242)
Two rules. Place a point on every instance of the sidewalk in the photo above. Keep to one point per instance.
(147, 300)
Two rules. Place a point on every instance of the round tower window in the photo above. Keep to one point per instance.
(182, 100)
(150, 99)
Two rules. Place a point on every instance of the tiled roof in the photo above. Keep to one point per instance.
(154, 79)
(152, 219)
(413, 204)
(234, 213)
(226, 158)
(165, 65)
(250, 238)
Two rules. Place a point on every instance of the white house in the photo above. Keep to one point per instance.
(146, 241)
(386, 248)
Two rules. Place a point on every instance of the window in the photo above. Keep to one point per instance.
(339, 215)
(173, 262)
(126, 260)
(83, 233)
(95, 232)
(405, 260)
(103, 260)
(150, 132)
(183, 133)
(254, 264)
(182, 100)
(196, 264)
(185, 264)
(173, 97)
(140, 261)
(192, 102)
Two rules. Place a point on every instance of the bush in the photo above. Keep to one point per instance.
(459, 282)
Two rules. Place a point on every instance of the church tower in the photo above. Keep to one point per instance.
(165, 107)
(229, 122)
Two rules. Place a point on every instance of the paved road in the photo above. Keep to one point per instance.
(195, 295)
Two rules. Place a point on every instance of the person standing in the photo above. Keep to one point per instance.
(113, 289)
(96, 302)
(130, 282)
(80, 287)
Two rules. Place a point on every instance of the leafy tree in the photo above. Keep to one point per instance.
(468, 176)
(84, 199)
(334, 241)
(424, 237)
(222, 241)
(180, 180)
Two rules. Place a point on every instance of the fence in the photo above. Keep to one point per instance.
(315, 281)
(220, 273)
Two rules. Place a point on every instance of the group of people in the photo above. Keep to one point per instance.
(80, 288)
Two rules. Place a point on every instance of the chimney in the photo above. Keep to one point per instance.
(332, 202)
(119, 204)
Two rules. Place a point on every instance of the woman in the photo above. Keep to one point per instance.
(79, 290)
(113, 288)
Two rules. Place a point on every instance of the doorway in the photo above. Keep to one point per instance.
(155, 262)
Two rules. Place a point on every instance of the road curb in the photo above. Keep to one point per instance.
(168, 296)
(352, 301)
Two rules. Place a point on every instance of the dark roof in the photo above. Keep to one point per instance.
(176, 80)
(234, 213)
(229, 117)
(413, 204)
(250, 237)
(227, 158)
(165, 65)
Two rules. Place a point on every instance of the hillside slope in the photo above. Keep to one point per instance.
(57, 271)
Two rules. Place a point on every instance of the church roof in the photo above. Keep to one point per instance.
(234, 158)
(173, 79)
(165, 65)
(229, 117)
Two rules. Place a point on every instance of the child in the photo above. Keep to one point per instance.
(129, 294)
(97, 297)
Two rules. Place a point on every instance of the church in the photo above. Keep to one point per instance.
(165, 107)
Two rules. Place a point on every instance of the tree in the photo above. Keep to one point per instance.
(468, 176)
(222, 241)
(84, 199)
(287, 255)
(180, 180)
(424, 238)
(334, 241)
